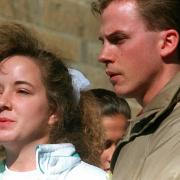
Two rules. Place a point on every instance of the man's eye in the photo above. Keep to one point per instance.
(116, 40)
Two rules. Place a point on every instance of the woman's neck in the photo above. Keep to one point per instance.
(22, 157)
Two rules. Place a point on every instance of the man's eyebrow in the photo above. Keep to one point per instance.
(118, 33)
(113, 34)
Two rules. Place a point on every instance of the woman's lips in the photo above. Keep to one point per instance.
(107, 169)
(5, 122)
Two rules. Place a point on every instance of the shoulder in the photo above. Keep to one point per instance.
(86, 171)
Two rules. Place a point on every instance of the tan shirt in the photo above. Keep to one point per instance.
(151, 149)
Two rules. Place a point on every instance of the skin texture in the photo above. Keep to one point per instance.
(115, 127)
(132, 54)
(23, 101)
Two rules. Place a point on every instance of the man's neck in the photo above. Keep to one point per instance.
(155, 88)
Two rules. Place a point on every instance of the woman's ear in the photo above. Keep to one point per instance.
(168, 42)
(52, 119)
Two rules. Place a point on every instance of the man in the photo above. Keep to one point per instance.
(141, 52)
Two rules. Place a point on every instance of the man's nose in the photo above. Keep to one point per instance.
(106, 54)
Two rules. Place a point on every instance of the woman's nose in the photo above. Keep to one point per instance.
(111, 151)
(5, 101)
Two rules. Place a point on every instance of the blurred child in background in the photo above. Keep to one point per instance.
(108, 115)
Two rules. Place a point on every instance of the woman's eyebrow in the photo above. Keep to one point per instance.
(23, 82)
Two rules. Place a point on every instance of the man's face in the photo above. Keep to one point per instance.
(129, 51)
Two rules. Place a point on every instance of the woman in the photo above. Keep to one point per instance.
(39, 121)
(108, 116)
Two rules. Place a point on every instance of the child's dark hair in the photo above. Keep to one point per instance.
(110, 103)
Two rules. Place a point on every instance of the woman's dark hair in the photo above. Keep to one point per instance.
(16, 39)
(110, 103)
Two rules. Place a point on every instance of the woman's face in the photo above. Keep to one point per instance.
(25, 116)
(115, 127)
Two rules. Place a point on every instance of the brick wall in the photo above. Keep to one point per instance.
(67, 26)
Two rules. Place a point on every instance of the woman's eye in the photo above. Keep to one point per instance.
(108, 144)
(23, 91)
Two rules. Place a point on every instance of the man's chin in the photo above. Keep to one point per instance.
(119, 92)
(122, 92)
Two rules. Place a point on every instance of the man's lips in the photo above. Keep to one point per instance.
(111, 73)
(113, 76)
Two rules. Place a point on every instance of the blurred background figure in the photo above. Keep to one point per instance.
(108, 115)
(90, 113)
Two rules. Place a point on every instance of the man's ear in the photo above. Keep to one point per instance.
(52, 119)
(168, 42)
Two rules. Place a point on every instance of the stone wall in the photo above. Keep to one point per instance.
(67, 26)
